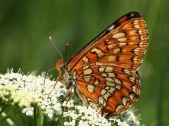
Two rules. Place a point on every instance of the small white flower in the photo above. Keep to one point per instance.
(122, 124)
(68, 104)
(28, 111)
(82, 123)
(71, 123)
(66, 123)
(65, 114)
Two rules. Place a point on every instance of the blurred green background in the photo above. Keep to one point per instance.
(25, 26)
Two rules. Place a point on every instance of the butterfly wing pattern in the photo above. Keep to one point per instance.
(104, 72)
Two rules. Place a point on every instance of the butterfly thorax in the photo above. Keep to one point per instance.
(64, 75)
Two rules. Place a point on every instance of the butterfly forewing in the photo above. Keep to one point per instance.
(105, 69)
(123, 43)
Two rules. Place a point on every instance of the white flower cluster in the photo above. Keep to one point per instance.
(84, 116)
(28, 91)
(127, 118)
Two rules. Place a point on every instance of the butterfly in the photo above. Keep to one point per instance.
(104, 73)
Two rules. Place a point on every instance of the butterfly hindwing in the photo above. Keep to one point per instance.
(106, 88)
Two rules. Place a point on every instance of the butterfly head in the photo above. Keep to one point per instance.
(64, 75)
(60, 66)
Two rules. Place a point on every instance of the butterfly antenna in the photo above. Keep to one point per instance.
(50, 38)
(67, 45)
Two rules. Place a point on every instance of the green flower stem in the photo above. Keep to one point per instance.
(3, 107)
(10, 114)
(38, 116)
(22, 118)
(58, 121)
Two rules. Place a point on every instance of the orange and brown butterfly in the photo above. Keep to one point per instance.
(103, 73)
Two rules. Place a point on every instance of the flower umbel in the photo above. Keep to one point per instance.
(29, 93)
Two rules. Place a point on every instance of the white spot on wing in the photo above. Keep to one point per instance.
(98, 52)
(96, 82)
(87, 78)
(125, 100)
(109, 69)
(131, 96)
(116, 50)
(103, 92)
(87, 71)
(85, 59)
(101, 69)
(111, 27)
(118, 35)
(106, 95)
(111, 75)
(99, 64)
(132, 79)
(117, 81)
(122, 39)
(126, 71)
(93, 104)
(102, 102)
(90, 88)
(119, 107)
(122, 43)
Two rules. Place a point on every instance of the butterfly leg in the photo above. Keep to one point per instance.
(69, 97)
(53, 86)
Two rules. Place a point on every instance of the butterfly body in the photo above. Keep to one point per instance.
(104, 72)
